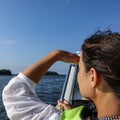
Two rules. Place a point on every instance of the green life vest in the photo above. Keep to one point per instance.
(73, 114)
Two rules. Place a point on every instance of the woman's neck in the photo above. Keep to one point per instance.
(107, 105)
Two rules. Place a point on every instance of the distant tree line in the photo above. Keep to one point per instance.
(5, 72)
(51, 73)
(8, 72)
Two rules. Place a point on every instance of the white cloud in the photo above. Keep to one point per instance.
(7, 42)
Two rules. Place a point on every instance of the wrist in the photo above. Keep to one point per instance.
(57, 54)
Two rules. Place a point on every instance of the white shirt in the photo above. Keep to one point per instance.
(22, 103)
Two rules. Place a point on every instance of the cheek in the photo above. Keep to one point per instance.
(82, 83)
(79, 78)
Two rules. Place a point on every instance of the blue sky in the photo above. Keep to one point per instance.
(30, 29)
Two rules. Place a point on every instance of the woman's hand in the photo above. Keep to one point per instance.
(66, 56)
(64, 105)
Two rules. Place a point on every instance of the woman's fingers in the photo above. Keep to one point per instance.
(64, 105)
(67, 56)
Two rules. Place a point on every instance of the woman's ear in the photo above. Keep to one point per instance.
(94, 77)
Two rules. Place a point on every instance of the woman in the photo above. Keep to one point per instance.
(98, 79)
(99, 75)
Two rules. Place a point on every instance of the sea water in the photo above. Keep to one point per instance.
(49, 90)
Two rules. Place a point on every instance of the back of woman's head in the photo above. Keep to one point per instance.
(102, 52)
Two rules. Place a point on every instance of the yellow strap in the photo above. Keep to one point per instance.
(73, 114)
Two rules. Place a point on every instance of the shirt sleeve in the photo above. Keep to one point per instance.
(22, 103)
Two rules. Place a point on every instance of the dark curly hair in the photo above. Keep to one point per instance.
(102, 52)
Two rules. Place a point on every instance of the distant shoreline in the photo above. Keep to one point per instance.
(7, 72)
